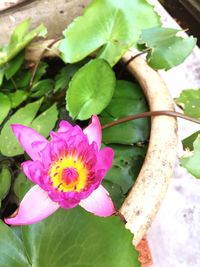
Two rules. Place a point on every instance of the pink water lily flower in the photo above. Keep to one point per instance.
(68, 171)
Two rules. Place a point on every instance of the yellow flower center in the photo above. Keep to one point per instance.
(68, 174)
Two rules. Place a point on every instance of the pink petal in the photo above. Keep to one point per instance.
(93, 131)
(34, 171)
(26, 137)
(99, 203)
(64, 126)
(35, 206)
(105, 159)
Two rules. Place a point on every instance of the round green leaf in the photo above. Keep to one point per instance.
(90, 90)
(79, 239)
(5, 106)
(110, 25)
(127, 100)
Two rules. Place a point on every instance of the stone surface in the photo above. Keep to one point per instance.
(174, 236)
(49, 12)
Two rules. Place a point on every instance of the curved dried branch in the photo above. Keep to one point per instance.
(143, 201)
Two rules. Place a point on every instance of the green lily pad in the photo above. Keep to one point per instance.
(112, 26)
(68, 238)
(166, 48)
(127, 100)
(90, 89)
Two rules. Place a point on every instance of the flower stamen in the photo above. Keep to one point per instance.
(68, 174)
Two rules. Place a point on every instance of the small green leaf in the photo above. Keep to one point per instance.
(19, 32)
(5, 182)
(22, 185)
(90, 90)
(41, 70)
(5, 106)
(9, 145)
(19, 40)
(42, 88)
(191, 161)
(188, 142)
(13, 66)
(112, 26)
(189, 100)
(1, 75)
(167, 49)
(63, 78)
(127, 100)
(43, 124)
(20, 80)
(17, 97)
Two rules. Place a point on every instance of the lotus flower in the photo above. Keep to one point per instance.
(67, 170)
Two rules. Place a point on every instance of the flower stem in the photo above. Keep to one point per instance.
(151, 114)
